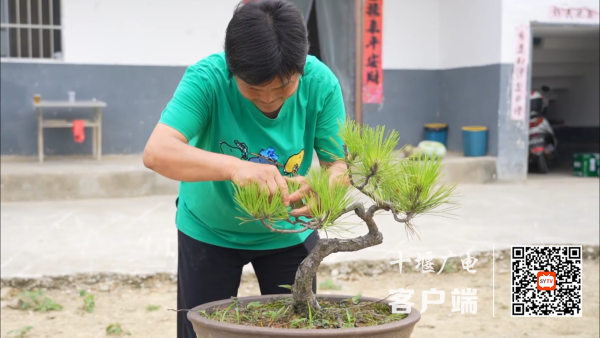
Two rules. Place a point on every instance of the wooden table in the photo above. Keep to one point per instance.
(95, 123)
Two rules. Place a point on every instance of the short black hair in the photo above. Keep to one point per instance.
(266, 39)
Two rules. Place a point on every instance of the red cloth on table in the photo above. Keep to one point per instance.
(78, 130)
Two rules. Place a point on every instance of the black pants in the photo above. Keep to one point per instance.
(209, 273)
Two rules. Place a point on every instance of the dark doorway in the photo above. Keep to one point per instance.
(313, 33)
(565, 70)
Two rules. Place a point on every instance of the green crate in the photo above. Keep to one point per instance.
(586, 164)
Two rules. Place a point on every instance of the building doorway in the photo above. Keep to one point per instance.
(565, 70)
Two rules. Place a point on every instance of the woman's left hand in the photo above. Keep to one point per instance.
(298, 195)
(338, 172)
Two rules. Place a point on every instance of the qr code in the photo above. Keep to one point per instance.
(546, 281)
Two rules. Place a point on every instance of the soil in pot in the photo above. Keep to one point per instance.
(278, 312)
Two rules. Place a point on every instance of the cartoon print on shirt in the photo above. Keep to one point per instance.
(230, 150)
(293, 163)
(265, 156)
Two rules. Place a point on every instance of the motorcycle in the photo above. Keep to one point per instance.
(542, 140)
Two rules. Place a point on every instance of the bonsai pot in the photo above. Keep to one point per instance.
(206, 328)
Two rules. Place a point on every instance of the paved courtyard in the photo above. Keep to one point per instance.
(138, 235)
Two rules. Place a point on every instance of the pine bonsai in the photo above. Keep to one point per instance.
(405, 188)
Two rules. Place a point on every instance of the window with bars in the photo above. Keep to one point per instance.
(30, 29)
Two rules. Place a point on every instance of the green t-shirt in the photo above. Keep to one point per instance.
(208, 109)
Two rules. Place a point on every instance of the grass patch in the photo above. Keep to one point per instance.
(89, 303)
(114, 330)
(20, 333)
(36, 301)
(151, 308)
(278, 313)
(328, 284)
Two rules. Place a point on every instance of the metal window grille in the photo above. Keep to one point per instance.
(30, 29)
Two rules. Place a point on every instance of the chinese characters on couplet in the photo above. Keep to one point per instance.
(372, 65)
(520, 74)
(574, 13)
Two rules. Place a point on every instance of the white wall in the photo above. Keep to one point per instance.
(567, 61)
(590, 100)
(441, 34)
(518, 12)
(143, 32)
(411, 34)
(580, 105)
(565, 57)
(470, 32)
(424, 34)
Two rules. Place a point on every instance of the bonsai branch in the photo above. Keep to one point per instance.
(351, 207)
(286, 231)
(407, 217)
(302, 289)
(362, 186)
(373, 172)
(313, 224)
(368, 178)
(387, 206)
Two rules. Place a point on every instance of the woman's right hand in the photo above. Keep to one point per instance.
(266, 175)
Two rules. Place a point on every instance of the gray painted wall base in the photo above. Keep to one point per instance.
(459, 97)
(513, 136)
(469, 97)
(136, 96)
(411, 99)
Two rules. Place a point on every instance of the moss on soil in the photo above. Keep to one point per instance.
(278, 313)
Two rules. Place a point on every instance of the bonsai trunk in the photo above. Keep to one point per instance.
(302, 292)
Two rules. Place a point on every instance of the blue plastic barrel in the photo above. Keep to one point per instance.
(474, 140)
(436, 132)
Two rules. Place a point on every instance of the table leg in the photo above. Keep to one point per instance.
(40, 135)
(99, 133)
(95, 135)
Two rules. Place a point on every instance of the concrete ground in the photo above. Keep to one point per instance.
(138, 236)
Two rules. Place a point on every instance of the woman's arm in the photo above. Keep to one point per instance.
(168, 153)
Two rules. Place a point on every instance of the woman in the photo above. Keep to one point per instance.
(255, 112)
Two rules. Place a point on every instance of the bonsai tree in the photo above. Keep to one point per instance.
(404, 188)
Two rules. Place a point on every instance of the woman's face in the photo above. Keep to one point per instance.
(270, 97)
